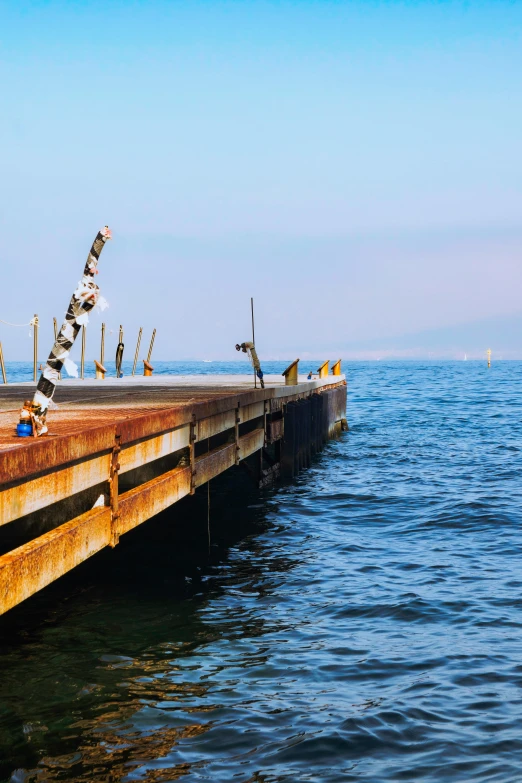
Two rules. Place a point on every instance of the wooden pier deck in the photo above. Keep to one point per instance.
(121, 451)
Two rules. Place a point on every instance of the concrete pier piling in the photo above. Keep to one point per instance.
(121, 451)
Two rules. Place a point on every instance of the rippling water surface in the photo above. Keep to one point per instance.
(361, 623)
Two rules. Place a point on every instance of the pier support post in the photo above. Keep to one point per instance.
(308, 432)
(192, 455)
(236, 435)
(113, 490)
(288, 445)
(299, 435)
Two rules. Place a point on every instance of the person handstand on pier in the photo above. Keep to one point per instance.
(249, 349)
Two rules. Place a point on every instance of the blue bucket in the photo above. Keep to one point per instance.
(24, 430)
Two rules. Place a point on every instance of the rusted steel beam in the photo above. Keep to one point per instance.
(215, 462)
(253, 441)
(22, 499)
(213, 425)
(253, 411)
(171, 417)
(139, 504)
(28, 459)
(136, 455)
(33, 495)
(32, 566)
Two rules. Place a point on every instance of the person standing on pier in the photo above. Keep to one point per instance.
(249, 349)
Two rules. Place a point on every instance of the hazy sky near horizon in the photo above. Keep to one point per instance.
(354, 166)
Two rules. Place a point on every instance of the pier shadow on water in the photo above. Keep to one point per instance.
(62, 666)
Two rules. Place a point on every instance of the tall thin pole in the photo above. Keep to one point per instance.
(35, 348)
(102, 347)
(253, 336)
(137, 351)
(55, 325)
(119, 354)
(4, 376)
(82, 301)
(82, 363)
(151, 344)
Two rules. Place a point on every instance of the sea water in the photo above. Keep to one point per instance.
(363, 622)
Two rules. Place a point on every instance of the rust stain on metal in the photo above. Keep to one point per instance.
(27, 460)
(21, 499)
(134, 455)
(31, 567)
(147, 500)
(211, 465)
(118, 433)
(213, 425)
(114, 490)
(83, 433)
(250, 443)
(253, 411)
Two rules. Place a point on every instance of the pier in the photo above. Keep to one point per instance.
(121, 451)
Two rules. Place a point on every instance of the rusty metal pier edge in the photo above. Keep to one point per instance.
(273, 432)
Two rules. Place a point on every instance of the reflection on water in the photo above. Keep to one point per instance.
(362, 622)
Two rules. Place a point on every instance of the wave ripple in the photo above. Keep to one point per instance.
(369, 629)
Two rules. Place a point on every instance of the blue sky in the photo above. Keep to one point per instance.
(355, 166)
